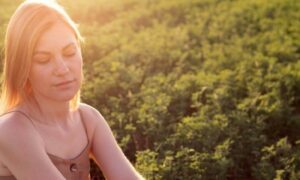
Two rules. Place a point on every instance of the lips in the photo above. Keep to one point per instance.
(64, 83)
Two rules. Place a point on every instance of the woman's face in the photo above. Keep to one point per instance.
(56, 68)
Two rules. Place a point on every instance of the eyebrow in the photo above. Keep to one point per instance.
(64, 48)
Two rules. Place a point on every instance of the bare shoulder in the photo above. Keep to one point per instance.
(20, 143)
(91, 114)
(15, 130)
(88, 109)
(16, 134)
(92, 117)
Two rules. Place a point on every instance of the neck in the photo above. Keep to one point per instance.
(47, 112)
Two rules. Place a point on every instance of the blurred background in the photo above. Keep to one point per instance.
(194, 89)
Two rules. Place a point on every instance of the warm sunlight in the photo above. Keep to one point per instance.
(174, 89)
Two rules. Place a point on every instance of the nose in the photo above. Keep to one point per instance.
(61, 67)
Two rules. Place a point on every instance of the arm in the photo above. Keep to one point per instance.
(23, 153)
(107, 152)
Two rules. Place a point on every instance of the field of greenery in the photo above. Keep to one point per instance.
(194, 89)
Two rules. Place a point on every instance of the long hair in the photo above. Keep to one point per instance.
(31, 19)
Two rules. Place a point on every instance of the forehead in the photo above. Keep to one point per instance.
(57, 36)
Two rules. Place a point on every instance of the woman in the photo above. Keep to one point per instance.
(45, 133)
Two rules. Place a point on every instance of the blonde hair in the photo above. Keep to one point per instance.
(31, 19)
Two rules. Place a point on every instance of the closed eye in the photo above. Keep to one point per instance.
(41, 58)
(69, 53)
(70, 50)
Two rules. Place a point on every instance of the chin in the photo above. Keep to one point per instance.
(67, 97)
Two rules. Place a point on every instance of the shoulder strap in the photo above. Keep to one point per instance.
(22, 113)
(84, 124)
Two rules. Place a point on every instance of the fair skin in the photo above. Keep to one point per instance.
(55, 77)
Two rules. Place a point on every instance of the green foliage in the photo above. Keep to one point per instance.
(198, 89)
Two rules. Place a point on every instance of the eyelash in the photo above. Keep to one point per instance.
(69, 54)
(64, 54)
(43, 61)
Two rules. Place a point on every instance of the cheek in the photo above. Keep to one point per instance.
(78, 65)
(38, 75)
(33, 75)
(33, 81)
